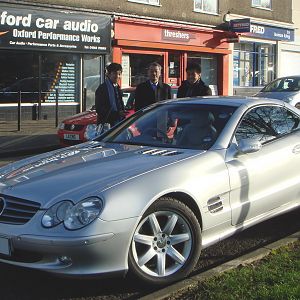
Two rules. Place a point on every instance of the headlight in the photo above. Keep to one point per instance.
(73, 216)
(56, 214)
(90, 131)
(61, 126)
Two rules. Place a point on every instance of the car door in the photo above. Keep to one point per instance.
(269, 178)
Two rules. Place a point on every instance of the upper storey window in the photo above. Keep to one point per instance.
(151, 2)
(262, 3)
(206, 6)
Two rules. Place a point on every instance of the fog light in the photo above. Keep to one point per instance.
(65, 260)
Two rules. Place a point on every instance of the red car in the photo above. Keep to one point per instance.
(82, 127)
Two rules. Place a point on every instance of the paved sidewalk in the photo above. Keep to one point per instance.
(34, 137)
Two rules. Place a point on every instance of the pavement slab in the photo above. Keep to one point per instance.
(34, 137)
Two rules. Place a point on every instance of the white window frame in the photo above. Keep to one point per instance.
(259, 5)
(148, 2)
(202, 10)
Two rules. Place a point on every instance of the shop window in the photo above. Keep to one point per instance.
(19, 72)
(151, 2)
(206, 6)
(208, 63)
(253, 64)
(262, 3)
(135, 68)
(59, 72)
(37, 76)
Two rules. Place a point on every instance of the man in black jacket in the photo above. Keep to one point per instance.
(108, 97)
(152, 90)
(193, 86)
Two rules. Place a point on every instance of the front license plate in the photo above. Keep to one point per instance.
(4, 246)
(73, 137)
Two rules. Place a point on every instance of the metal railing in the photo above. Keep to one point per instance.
(10, 98)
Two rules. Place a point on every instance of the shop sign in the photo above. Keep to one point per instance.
(272, 33)
(33, 29)
(253, 29)
(240, 25)
(177, 35)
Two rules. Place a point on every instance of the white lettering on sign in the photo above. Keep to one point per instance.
(85, 26)
(176, 35)
(48, 23)
(257, 29)
(12, 20)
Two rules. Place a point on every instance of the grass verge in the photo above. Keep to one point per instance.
(277, 276)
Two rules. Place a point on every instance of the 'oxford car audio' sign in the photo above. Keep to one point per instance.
(24, 28)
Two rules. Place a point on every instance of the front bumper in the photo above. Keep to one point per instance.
(104, 253)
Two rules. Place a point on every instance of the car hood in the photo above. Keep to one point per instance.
(78, 171)
(277, 95)
(87, 117)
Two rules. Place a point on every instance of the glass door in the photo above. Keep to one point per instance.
(93, 76)
(135, 67)
(174, 68)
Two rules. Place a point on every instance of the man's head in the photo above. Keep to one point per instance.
(154, 72)
(114, 72)
(193, 72)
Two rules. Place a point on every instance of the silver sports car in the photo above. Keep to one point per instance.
(285, 88)
(150, 193)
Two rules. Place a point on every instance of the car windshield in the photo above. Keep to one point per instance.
(191, 126)
(291, 84)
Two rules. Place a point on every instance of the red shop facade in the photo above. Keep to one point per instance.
(139, 42)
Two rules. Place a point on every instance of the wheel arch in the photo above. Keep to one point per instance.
(188, 201)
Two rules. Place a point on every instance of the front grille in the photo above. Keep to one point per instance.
(73, 127)
(17, 211)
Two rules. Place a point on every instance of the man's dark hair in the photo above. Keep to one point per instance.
(194, 67)
(114, 67)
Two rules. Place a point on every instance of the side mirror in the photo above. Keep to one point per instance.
(248, 146)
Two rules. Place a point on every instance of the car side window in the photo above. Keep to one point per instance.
(292, 120)
(264, 123)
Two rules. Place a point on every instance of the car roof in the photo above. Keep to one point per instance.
(286, 77)
(235, 101)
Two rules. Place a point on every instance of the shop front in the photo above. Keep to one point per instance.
(256, 55)
(48, 57)
(138, 42)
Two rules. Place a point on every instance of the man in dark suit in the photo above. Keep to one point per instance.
(152, 90)
(193, 86)
(108, 97)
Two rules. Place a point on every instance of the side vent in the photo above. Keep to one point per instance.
(215, 205)
(159, 152)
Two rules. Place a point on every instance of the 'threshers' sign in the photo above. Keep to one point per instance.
(22, 28)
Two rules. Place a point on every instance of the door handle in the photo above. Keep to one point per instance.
(296, 149)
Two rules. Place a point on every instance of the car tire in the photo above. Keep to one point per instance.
(166, 244)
